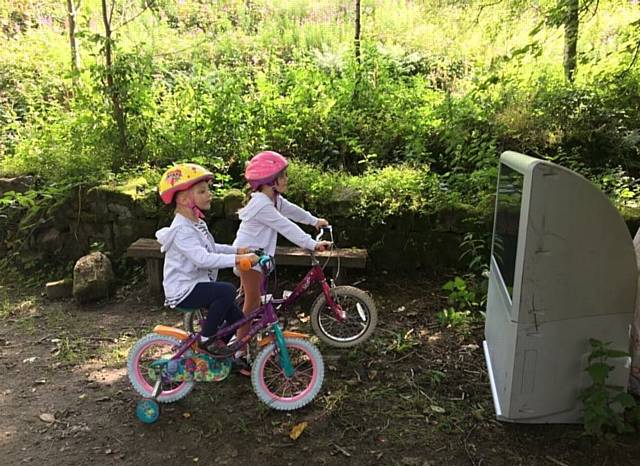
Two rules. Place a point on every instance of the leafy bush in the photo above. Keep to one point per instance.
(376, 194)
(441, 87)
(605, 405)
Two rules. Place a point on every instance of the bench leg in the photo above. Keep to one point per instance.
(154, 277)
(342, 277)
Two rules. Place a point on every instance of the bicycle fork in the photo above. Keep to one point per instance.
(338, 312)
(283, 353)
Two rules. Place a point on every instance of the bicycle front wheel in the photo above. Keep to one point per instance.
(362, 317)
(284, 393)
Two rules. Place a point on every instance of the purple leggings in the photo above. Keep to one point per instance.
(219, 299)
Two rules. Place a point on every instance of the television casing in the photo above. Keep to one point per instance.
(574, 278)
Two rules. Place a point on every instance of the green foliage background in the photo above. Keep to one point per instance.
(442, 88)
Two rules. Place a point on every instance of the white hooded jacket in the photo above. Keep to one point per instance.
(261, 222)
(191, 256)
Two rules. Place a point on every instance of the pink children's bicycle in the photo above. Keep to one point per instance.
(287, 372)
(341, 316)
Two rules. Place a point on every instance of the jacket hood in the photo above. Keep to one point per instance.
(166, 235)
(256, 204)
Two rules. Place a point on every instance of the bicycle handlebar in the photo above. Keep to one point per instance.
(320, 234)
(264, 259)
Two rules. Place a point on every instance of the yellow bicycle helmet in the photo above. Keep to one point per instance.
(181, 177)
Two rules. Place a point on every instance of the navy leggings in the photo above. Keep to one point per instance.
(219, 299)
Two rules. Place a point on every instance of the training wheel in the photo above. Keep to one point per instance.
(148, 410)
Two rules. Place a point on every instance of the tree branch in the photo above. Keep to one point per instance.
(113, 6)
(483, 6)
(633, 60)
(124, 23)
(584, 9)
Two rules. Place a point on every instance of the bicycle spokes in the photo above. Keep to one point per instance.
(283, 386)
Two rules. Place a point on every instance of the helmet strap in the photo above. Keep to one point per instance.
(276, 193)
(192, 205)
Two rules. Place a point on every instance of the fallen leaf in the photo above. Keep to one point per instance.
(186, 415)
(29, 360)
(437, 409)
(297, 430)
(48, 418)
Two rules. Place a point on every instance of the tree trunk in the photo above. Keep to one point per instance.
(571, 23)
(357, 32)
(118, 112)
(71, 14)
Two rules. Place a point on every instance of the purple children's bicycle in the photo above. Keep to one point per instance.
(286, 374)
(341, 316)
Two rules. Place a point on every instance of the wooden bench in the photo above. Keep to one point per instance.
(149, 250)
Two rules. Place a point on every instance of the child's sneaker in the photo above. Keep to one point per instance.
(241, 365)
(215, 347)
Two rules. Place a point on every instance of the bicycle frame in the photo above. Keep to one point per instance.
(265, 316)
(262, 318)
(313, 276)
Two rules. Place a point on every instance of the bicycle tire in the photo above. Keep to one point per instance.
(303, 386)
(356, 329)
(135, 371)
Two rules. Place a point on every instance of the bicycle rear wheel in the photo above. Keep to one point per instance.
(143, 374)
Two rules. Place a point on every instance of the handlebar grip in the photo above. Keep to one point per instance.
(264, 260)
(244, 264)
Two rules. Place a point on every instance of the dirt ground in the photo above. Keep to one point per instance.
(414, 394)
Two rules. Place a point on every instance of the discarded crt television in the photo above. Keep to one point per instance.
(563, 270)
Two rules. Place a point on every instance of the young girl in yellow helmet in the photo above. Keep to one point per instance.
(191, 256)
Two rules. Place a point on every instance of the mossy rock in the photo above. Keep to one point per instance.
(217, 207)
(134, 188)
(233, 201)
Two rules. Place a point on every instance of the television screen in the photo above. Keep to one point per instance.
(505, 236)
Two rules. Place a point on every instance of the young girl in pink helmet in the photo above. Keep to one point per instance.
(266, 214)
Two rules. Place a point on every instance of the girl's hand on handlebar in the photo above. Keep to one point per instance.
(322, 245)
(245, 261)
(321, 223)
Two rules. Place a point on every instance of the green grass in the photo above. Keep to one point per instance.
(71, 350)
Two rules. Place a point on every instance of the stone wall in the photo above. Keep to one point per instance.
(111, 220)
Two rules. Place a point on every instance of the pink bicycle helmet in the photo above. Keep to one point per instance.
(264, 168)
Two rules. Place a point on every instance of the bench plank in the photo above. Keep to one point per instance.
(149, 248)
(145, 248)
